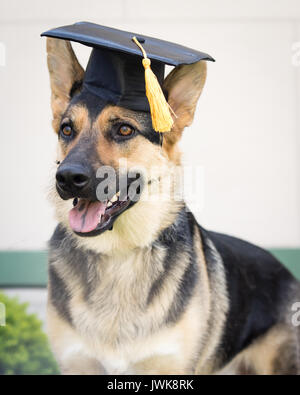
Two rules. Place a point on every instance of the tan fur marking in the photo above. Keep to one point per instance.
(184, 86)
(218, 307)
(80, 118)
(261, 356)
(138, 151)
(64, 70)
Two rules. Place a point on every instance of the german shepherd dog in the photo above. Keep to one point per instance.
(144, 289)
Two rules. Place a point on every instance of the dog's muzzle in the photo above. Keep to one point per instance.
(75, 180)
(98, 202)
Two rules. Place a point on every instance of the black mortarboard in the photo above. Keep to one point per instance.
(114, 71)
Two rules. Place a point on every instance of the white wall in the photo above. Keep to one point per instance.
(246, 131)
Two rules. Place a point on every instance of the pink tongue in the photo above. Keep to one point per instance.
(84, 217)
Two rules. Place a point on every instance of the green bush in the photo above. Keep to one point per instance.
(24, 348)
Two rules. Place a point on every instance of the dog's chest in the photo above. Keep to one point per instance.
(108, 306)
(108, 296)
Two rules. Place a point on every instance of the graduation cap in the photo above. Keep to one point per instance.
(114, 71)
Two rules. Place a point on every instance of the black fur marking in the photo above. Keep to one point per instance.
(147, 131)
(258, 287)
(95, 106)
(83, 154)
(161, 139)
(185, 290)
(76, 88)
(176, 239)
(59, 295)
(171, 240)
(191, 275)
(93, 103)
(169, 261)
(80, 262)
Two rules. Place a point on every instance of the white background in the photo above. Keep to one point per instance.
(245, 135)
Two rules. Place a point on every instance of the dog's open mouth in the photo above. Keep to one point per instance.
(91, 218)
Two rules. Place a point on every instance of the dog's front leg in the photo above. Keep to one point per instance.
(80, 364)
(162, 364)
(69, 350)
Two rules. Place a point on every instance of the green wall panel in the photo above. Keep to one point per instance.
(23, 268)
(29, 268)
(290, 257)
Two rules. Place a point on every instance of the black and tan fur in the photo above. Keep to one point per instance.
(158, 294)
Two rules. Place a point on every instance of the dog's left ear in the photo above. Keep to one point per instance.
(183, 87)
(65, 74)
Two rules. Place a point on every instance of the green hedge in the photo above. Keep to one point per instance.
(24, 348)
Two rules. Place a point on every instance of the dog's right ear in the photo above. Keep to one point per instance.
(65, 74)
(183, 86)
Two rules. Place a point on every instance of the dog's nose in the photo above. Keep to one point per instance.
(72, 179)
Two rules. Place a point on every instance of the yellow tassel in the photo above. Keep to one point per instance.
(162, 120)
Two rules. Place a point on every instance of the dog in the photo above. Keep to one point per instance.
(150, 291)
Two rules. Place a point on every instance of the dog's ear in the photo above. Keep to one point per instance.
(183, 87)
(65, 75)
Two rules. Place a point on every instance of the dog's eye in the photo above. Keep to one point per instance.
(66, 131)
(126, 130)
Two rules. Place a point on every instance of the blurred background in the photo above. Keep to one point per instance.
(245, 136)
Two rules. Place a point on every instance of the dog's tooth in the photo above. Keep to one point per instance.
(114, 199)
(109, 204)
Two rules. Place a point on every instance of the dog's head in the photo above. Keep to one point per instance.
(110, 157)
